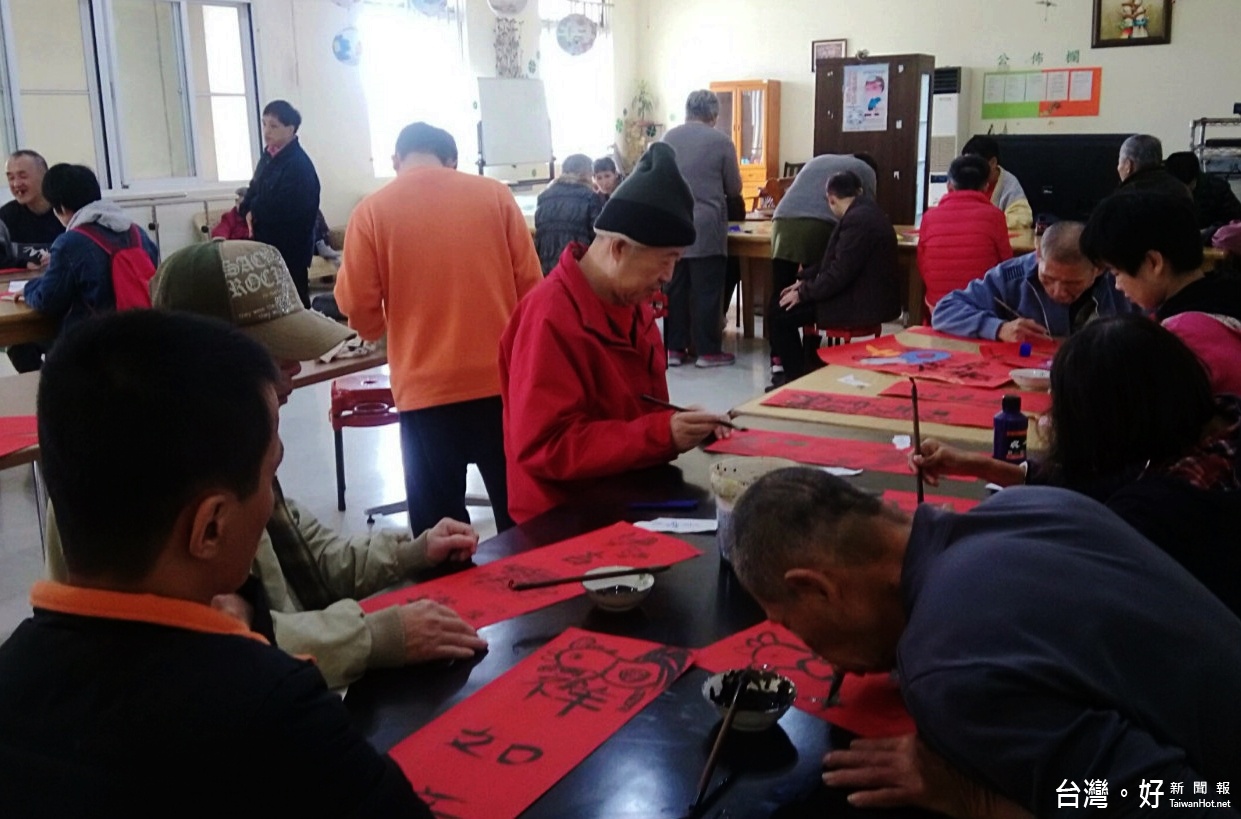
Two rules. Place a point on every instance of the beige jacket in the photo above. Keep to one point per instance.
(344, 641)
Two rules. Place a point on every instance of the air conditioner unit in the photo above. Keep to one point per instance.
(950, 125)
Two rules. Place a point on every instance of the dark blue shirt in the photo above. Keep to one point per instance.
(1049, 643)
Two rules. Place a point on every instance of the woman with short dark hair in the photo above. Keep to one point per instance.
(282, 203)
(1134, 425)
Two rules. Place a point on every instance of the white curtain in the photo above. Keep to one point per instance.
(414, 68)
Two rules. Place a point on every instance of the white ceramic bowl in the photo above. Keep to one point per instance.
(1033, 380)
(619, 593)
(766, 698)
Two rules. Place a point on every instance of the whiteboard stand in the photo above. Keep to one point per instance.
(483, 165)
(514, 127)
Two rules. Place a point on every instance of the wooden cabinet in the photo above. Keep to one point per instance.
(750, 115)
(880, 106)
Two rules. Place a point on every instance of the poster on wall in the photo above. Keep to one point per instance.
(866, 97)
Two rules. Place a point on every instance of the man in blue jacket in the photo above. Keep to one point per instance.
(1043, 647)
(1054, 291)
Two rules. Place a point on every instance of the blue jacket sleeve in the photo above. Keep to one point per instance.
(970, 312)
(54, 292)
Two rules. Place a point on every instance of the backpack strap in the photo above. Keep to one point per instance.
(134, 239)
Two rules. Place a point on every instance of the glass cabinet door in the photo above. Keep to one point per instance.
(751, 147)
(725, 122)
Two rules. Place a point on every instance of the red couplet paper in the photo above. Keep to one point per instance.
(809, 449)
(887, 355)
(498, 751)
(1036, 403)
(908, 501)
(896, 409)
(481, 596)
(1040, 357)
(17, 432)
(870, 704)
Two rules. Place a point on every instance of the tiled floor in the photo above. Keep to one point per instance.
(372, 466)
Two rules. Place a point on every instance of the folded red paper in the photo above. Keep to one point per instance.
(870, 704)
(812, 449)
(1035, 403)
(896, 409)
(498, 751)
(482, 596)
(17, 432)
(887, 355)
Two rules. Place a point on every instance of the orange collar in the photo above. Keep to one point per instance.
(142, 608)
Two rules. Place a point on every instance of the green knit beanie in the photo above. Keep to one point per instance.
(654, 205)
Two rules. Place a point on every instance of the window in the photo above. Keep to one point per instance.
(54, 99)
(579, 89)
(150, 93)
(413, 69)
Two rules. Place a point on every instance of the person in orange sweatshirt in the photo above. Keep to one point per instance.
(438, 260)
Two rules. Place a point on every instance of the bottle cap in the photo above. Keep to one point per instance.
(1025, 349)
(1011, 403)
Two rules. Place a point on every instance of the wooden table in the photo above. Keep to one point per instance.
(827, 379)
(19, 324)
(650, 767)
(18, 393)
(751, 240)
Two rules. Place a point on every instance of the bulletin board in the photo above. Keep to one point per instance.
(1052, 92)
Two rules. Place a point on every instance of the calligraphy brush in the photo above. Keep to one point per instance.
(1013, 312)
(659, 402)
(833, 693)
(1010, 310)
(559, 581)
(913, 393)
(713, 758)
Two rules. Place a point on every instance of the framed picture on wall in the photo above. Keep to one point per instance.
(826, 50)
(1131, 23)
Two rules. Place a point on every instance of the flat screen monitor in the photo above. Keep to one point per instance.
(1064, 175)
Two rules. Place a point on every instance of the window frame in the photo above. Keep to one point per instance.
(100, 50)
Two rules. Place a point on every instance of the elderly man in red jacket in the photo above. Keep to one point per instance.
(964, 236)
(583, 349)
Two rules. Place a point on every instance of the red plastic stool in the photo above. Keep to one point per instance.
(812, 338)
(358, 401)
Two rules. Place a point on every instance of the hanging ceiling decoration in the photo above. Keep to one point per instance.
(430, 7)
(576, 34)
(507, 8)
(347, 46)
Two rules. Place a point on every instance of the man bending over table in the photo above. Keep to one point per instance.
(133, 691)
(1041, 645)
(1054, 291)
(312, 575)
(583, 349)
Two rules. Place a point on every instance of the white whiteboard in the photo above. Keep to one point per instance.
(515, 125)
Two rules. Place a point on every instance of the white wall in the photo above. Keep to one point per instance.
(685, 44)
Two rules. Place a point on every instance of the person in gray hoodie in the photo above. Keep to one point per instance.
(78, 281)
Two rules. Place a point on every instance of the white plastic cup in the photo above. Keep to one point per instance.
(729, 480)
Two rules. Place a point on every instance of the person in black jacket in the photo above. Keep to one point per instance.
(854, 285)
(1141, 169)
(282, 203)
(1214, 200)
(140, 686)
(566, 211)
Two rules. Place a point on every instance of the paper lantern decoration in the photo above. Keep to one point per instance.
(430, 7)
(576, 34)
(507, 8)
(347, 46)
